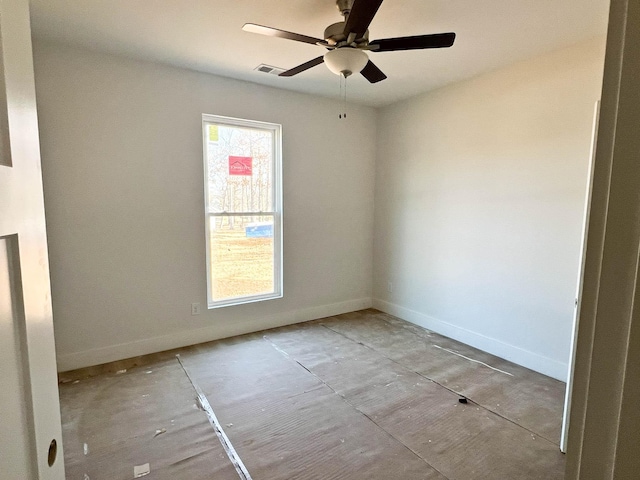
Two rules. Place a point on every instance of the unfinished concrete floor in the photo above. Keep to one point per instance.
(357, 396)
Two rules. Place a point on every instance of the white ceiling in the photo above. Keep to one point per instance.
(206, 35)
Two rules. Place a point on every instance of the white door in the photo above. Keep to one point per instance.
(30, 434)
(576, 311)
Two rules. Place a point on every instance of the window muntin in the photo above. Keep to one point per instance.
(243, 208)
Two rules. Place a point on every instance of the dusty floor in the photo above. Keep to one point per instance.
(358, 396)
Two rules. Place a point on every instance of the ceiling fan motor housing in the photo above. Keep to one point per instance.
(334, 35)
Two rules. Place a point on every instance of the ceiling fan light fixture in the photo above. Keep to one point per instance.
(345, 61)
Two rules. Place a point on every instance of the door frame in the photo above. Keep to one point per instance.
(604, 422)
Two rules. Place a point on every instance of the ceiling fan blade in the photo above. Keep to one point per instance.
(437, 40)
(274, 32)
(303, 67)
(372, 73)
(361, 15)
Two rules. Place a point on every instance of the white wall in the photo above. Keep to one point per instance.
(479, 195)
(479, 191)
(123, 179)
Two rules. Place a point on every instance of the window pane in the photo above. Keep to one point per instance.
(239, 168)
(241, 256)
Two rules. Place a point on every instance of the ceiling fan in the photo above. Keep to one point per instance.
(347, 42)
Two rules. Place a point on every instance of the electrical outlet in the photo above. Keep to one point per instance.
(389, 287)
(195, 309)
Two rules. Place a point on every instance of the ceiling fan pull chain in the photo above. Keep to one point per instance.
(340, 76)
(345, 97)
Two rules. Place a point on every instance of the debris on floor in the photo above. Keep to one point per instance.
(141, 470)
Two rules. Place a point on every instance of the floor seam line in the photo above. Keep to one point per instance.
(242, 471)
(287, 355)
(439, 384)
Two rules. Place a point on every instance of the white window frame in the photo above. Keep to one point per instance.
(276, 129)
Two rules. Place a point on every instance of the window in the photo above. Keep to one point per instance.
(243, 206)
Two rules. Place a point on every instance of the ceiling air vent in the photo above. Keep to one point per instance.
(269, 69)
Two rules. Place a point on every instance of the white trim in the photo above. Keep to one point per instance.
(546, 366)
(184, 338)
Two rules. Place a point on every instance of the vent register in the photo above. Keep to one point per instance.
(269, 69)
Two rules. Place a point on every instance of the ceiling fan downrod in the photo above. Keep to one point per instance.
(344, 6)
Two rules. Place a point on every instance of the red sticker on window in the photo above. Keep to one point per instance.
(240, 165)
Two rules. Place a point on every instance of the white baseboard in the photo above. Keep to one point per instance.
(525, 358)
(184, 338)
